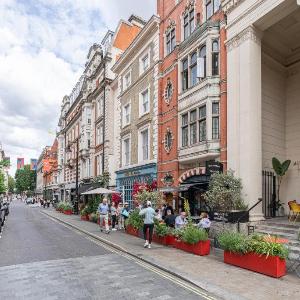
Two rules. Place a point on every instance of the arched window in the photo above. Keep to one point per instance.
(215, 58)
(203, 62)
(168, 92)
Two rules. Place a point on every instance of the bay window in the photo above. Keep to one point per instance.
(185, 75)
(215, 121)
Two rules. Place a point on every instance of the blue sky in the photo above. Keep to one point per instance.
(43, 48)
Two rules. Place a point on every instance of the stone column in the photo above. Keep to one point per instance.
(244, 114)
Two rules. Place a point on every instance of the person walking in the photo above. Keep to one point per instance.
(103, 210)
(125, 214)
(113, 215)
(149, 214)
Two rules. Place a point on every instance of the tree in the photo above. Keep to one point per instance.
(2, 183)
(25, 179)
(11, 184)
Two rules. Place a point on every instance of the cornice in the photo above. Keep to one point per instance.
(229, 5)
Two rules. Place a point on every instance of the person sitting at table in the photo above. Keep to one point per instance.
(170, 219)
(180, 220)
(204, 221)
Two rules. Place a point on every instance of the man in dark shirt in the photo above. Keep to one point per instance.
(170, 219)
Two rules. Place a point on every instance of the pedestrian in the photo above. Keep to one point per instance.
(125, 214)
(103, 210)
(170, 219)
(119, 216)
(113, 215)
(149, 214)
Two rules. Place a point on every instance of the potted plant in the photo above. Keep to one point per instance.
(163, 234)
(192, 239)
(67, 208)
(280, 169)
(60, 206)
(84, 215)
(134, 223)
(224, 195)
(255, 253)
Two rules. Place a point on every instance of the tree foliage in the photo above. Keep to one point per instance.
(25, 179)
(2, 183)
(11, 184)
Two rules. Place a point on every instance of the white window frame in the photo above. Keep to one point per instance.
(99, 134)
(99, 164)
(141, 112)
(140, 143)
(125, 87)
(142, 69)
(124, 122)
(127, 137)
(100, 106)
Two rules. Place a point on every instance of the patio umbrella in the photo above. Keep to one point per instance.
(100, 191)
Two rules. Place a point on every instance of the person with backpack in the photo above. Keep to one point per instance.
(149, 214)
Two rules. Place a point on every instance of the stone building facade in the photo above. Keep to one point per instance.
(263, 54)
(137, 81)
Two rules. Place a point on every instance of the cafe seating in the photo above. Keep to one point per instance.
(294, 210)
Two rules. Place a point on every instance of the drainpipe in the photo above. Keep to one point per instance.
(104, 106)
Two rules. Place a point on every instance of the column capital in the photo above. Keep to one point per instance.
(249, 33)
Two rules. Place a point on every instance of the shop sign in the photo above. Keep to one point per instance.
(132, 173)
(213, 167)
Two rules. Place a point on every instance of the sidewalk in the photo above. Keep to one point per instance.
(207, 272)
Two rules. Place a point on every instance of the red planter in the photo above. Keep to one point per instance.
(132, 231)
(167, 240)
(85, 218)
(272, 265)
(68, 212)
(201, 248)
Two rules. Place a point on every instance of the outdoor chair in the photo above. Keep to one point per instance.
(289, 204)
(295, 211)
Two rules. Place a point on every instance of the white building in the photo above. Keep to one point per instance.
(263, 55)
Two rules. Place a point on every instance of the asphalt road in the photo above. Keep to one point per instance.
(42, 259)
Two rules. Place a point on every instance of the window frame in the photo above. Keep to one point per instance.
(202, 119)
(124, 162)
(215, 58)
(170, 41)
(184, 127)
(141, 157)
(188, 23)
(215, 135)
(193, 68)
(127, 74)
(141, 61)
(141, 103)
(124, 115)
(193, 123)
(185, 74)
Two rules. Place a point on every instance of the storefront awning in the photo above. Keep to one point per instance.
(173, 189)
(100, 191)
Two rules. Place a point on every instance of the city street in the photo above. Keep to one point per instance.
(42, 259)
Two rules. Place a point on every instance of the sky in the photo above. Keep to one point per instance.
(43, 48)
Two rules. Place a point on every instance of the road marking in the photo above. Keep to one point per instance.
(185, 284)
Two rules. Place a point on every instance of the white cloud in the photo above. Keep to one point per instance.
(43, 48)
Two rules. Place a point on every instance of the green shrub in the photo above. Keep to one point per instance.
(192, 234)
(162, 229)
(93, 217)
(240, 243)
(135, 220)
(67, 206)
(84, 212)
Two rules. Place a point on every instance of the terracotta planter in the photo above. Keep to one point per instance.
(272, 265)
(167, 240)
(85, 218)
(131, 230)
(201, 248)
(68, 212)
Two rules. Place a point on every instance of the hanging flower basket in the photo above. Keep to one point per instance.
(273, 266)
(201, 248)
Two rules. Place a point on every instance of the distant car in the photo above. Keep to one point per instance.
(29, 201)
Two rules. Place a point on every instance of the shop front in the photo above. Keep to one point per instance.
(126, 178)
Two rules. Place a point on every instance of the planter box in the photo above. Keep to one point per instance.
(132, 231)
(167, 240)
(85, 218)
(272, 265)
(68, 212)
(201, 248)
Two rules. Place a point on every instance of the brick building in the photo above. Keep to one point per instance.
(192, 98)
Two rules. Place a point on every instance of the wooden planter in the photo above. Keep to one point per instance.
(167, 240)
(201, 248)
(85, 218)
(131, 230)
(68, 212)
(272, 265)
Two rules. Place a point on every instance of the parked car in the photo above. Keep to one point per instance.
(29, 201)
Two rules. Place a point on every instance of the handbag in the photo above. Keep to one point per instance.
(125, 213)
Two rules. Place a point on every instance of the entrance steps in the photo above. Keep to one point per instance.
(284, 230)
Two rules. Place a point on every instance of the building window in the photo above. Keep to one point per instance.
(126, 114)
(202, 62)
(88, 140)
(217, 4)
(170, 41)
(144, 102)
(168, 92)
(126, 152)
(185, 75)
(99, 136)
(145, 62)
(127, 80)
(144, 144)
(193, 69)
(215, 121)
(215, 58)
(212, 6)
(168, 140)
(99, 164)
(185, 130)
(202, 123)
(193, 127)
(188, 23)
(100, 107)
